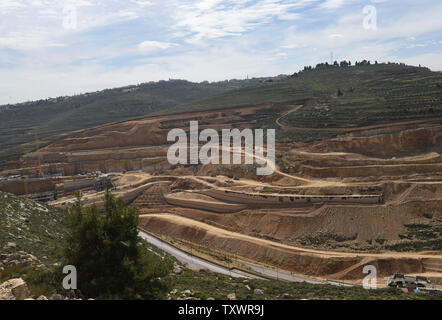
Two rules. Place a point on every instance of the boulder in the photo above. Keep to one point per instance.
(10, 245)
(186, 293)
(258, 291)
(231, 296)
(14, 289)
(174, 291)
(20, 290)
(177, 270)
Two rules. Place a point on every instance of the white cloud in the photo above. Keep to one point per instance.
(197, 40)
(210, 19)
(291, 46)
(6, 4)
(336, 35)
(143, 3)
(332, 4)
(33, 40)
(149, 46)
(224, 61)
(347, 31)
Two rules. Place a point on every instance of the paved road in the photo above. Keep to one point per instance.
(279, 275)
(198, 262)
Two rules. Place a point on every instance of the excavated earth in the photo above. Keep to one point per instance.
(370, 196)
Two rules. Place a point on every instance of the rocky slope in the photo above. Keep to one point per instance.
(29, 231)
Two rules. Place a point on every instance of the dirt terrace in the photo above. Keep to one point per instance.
(369, 188)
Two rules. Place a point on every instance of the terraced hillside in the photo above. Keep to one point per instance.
(374, 94)
(341, 97)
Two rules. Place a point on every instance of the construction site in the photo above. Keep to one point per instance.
(368, 196)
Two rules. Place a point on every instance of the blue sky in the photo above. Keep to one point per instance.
(51, 48)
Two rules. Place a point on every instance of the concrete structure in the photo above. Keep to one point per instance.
(182, 199)
(44, 197)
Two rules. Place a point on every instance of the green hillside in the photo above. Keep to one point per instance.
(332, 97)
(372, 94)
(33, 227)
(54, 118)
(345, 96)
(335, 97)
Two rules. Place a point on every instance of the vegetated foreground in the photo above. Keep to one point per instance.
(42, 279)
(360, 186)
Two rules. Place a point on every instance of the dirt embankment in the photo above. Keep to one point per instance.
(131, 145)
(338, 225)
(323, 264)
(370, 171)
(24, 187)
(150, 131)
(386, 144)
(131, 133)
(346, 223)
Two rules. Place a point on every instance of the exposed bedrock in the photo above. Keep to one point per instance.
(370, 171)
(405, 142)
(110, 160)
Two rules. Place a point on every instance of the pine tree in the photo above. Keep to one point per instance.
(110, 259)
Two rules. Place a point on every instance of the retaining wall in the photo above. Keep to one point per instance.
(205, 205)
(287, 200)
